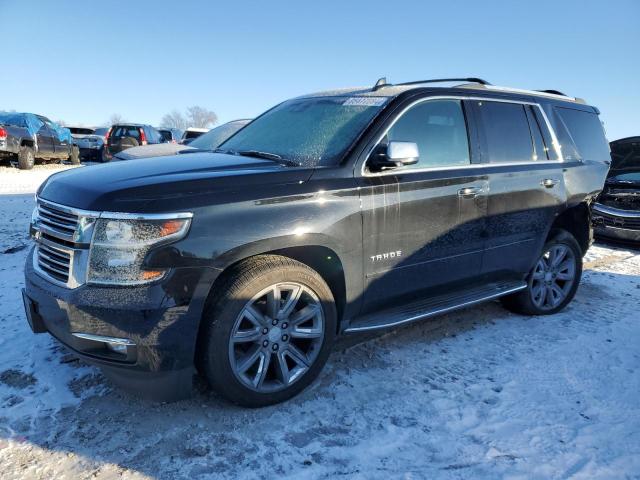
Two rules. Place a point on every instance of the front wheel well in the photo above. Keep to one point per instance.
(577, 221)
(322, 259)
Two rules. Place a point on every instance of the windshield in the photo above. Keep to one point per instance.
(213, 138)
(308, 131)
(81, 130)
(101, 131)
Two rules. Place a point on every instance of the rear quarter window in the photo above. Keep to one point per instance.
(581, 135)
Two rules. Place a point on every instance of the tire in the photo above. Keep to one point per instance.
(74, 155)
(26, 158)
(549, 288)
(243, 309)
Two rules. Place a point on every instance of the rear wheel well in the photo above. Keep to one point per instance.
(26, 143)
(577, 221)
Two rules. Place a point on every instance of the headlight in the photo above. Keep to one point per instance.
(119, 246)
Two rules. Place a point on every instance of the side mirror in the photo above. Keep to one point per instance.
(394, 155)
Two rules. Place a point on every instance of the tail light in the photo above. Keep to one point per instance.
(106, 137)
(3, 133)
(143, 137)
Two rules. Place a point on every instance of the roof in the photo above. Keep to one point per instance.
(390, 90)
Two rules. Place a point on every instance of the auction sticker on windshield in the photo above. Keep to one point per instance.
(365, 101)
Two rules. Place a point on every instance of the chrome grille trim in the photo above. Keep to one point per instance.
(57, 222)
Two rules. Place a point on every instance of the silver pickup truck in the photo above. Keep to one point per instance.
(25, 137)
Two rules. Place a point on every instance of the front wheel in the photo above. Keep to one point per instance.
(554, 279)
(269, 332)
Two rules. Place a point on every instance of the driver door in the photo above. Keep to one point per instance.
(423, 224)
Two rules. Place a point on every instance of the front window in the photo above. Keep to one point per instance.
(308, 131)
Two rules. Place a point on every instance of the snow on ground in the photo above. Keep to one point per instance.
(479, 393)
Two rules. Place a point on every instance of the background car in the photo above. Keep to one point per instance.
(191, 133)
(127, 135)
(208, 141)
(170, 135)
(90, 141)
(25, 137)
(616, 214)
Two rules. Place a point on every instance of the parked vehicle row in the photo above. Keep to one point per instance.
(329, 214)
(208, 141)
(26, 137)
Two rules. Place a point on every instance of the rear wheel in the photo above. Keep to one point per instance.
(26, 158)
(269, 332)
(74, 155)
(554, 279)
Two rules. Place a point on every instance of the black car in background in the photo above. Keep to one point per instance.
(170, 135)
(128, 135)
(330, 214)
(208, 141)
(616, 214)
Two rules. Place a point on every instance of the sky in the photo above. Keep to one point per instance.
(83, 61)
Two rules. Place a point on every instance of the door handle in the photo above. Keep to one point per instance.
(469, 192)
(549, 182)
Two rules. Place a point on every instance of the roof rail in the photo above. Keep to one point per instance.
(555, 92)
(381, 83)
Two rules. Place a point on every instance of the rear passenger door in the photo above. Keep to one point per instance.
(526, 184)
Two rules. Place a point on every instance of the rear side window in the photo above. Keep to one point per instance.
(506, 131)
(581, 135)
(439, 129)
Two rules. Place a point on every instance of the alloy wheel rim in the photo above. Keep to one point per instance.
(553, 276)
(276, 337)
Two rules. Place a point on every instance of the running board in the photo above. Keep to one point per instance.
(432, 306)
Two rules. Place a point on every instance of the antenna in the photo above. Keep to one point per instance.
(382, 82)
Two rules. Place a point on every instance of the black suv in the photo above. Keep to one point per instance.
(333, 213)
(128, 135)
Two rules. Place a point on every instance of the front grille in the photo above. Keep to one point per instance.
(56, 221)
(61, 252)
(54, 261)
(630, 223)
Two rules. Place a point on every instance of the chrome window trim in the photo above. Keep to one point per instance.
(395, 171)
(615, 212)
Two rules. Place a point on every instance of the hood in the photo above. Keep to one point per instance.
(625, 156)
(170, 183)
(156, 150)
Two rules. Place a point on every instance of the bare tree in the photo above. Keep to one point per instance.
(201, 117)
(116, 118)
(62, 123)
(174, 119)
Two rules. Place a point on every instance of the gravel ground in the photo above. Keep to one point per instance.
(479, 393)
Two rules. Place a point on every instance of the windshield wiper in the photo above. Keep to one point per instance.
(258, 154)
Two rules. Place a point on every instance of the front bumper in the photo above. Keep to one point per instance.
(616, 223)
(160, 320)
